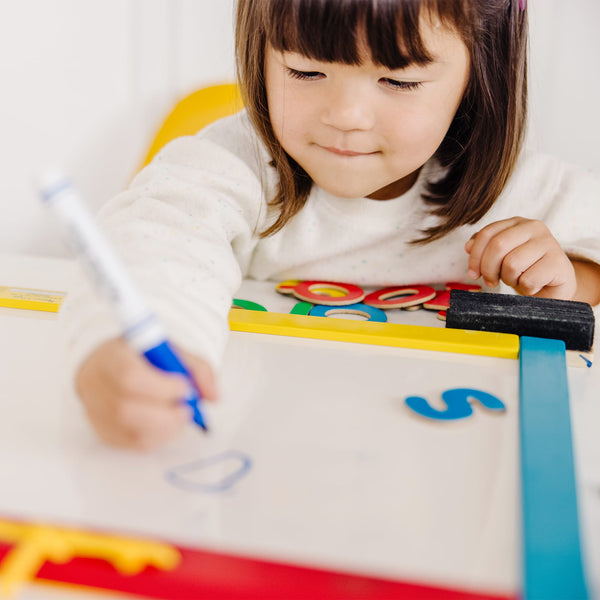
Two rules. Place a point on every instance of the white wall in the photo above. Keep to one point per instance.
(85, 83)
(565, 79)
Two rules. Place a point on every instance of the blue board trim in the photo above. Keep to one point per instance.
(552, 560)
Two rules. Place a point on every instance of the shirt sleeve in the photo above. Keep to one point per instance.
(574, 216)
(185, 230)
(565, 197)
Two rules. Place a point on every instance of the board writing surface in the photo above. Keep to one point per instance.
(342, 474)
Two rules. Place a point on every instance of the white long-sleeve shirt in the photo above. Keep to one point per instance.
(187, 229)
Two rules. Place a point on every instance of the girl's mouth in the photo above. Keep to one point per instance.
(342, 152)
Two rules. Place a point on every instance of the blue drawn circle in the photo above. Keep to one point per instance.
(180, 476)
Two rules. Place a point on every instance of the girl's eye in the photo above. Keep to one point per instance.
(402, 85)
(303, 74)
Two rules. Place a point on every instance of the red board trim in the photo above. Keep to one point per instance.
(219, 576)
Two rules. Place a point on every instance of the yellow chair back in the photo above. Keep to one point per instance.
(195, 112)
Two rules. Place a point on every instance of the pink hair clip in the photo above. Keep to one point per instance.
(522, 4)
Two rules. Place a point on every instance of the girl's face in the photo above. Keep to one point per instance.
(365, 130)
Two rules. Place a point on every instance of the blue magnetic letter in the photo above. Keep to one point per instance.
(458, 403)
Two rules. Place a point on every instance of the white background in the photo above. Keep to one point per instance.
(86, 83)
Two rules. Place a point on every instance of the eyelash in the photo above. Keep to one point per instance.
(312, 75)
(302, 74)
(403, 85)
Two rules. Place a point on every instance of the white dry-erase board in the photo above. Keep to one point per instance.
(313, 458)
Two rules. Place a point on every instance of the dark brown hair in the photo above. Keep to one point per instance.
(481, 147)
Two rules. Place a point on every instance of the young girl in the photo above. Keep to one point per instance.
(380, 144)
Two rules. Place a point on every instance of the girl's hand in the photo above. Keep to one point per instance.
(132, 404)
(524, 255)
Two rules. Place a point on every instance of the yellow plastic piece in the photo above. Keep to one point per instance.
(34, 544)
(194, 112)
(326, 291)
(287, 283)
(486, 343)
(32, 299)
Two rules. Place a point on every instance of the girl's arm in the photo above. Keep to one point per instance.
(183, 229)
(588, 281)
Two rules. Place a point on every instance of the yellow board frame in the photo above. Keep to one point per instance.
(461, 341)
(31, 299)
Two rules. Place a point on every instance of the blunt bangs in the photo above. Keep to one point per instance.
(333, 30)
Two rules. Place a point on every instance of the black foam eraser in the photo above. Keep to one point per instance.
(567, 320)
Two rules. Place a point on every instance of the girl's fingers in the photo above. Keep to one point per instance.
(148, 426)
(202, 373)
(497, 246)
(133, 423)
(504, 249)
(519, 260)
(205, 379)
(477, 245)
(141, 426)
(552, 276)
(131, 403)
(130, 375)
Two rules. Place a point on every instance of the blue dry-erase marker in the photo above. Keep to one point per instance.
(140, 325)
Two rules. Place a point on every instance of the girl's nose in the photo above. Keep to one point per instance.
(347, 109)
